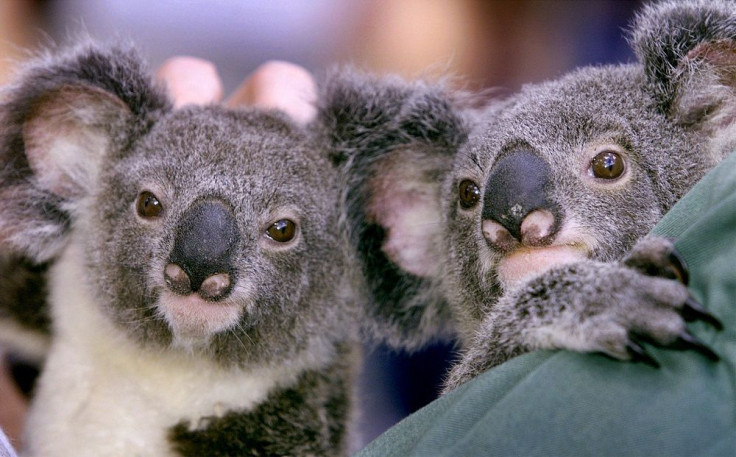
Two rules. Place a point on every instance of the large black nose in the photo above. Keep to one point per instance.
(520, 184)
(202, 258)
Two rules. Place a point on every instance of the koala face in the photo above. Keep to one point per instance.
(576, 168)
(205, 236)
(206, 230)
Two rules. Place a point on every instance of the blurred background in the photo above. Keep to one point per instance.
(487, 44)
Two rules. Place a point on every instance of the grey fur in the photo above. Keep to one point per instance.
(669, 116)
(367, 119)
(296, 306)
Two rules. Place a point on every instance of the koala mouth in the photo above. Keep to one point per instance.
(194, 320)
(525, 263)
(539, 246)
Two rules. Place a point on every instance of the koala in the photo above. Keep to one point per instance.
(199, 284)
(521, 224)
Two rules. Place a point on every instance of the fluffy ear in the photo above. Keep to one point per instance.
(66, 134)
(688, 49)
(396, 141)
(59, 121)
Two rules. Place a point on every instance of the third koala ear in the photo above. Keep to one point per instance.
(59, 121)
(688, 49)
(396, 141)
(403, 197)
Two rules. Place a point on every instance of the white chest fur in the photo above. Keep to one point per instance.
(102, 395)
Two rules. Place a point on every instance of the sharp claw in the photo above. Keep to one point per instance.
(692, 310)
(679, 267)
(687, 341)
(638, 354)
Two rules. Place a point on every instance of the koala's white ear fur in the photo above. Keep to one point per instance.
(66, 135)
(706, 87)
(404, 199)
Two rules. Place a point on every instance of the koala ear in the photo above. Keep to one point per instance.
(402, 196)
(688, 49)
(60, 120)
(396, 141)
(66, 135)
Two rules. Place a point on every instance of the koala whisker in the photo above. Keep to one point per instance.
(235, 334)
(244, 332)
(275, 189)
(474, 158)
(472, 170)
(138, 320)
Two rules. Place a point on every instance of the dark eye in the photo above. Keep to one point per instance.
(282, 230)
(148, 205)
(469, 194)
(607, 165)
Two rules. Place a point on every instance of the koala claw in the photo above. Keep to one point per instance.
(692, 311)
(638, 354)
(678, 268)
(657, 256)
(686, 341)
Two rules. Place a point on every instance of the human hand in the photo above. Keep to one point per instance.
(273, 85)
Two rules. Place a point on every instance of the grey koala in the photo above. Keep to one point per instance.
(521, 225)
(199, 282)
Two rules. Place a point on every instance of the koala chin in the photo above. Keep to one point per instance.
(201, 289)
(521, 224)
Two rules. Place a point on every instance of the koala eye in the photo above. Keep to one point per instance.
(282, 230)
(607, 165)
(148, 205)
(469, 194)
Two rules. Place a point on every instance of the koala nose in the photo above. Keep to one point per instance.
(517, 206)
(201, 260)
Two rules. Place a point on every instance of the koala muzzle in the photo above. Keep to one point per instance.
(517, 206)
(202, 258)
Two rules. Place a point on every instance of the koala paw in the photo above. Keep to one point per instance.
(608, 307)
(643, 298)
(657, 258)
(590, 306)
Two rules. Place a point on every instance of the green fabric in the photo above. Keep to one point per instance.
(568, 404)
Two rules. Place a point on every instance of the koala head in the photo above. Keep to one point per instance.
(583, 166)
(204, 229)
(575, 168)
(570, 169)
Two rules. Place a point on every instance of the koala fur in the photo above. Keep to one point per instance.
(199, 282)
(521, 225)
